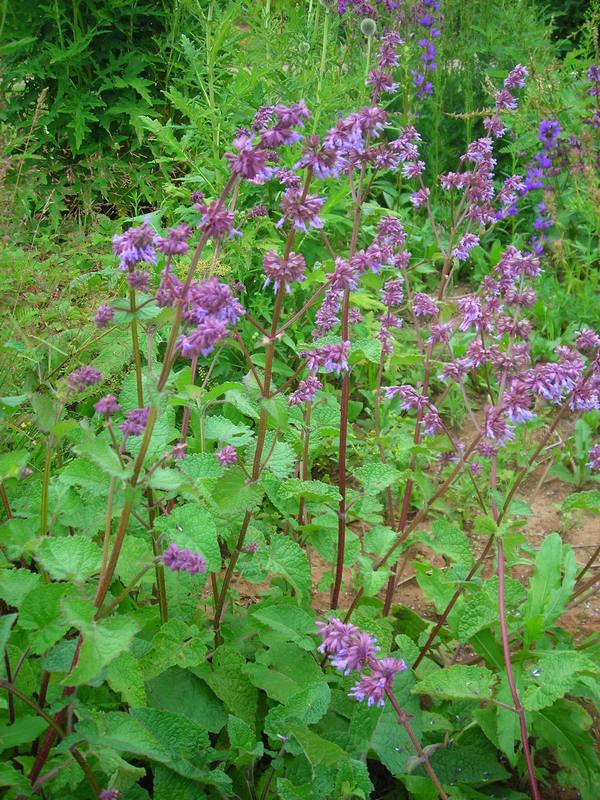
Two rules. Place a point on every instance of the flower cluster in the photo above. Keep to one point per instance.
(353, 650)
(135, 421)
(83, 377)
(136, 246)
(331, 357)
(425, 12)
(306, 391)
(183, 560)
(227, 456)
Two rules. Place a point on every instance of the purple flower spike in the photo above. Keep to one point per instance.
(303, 212)
(138, 280)
(135, 246)
(217, 220)
(306, 391)
(227, 456)
(594, 456)
(372, 688)
(464, 247)
(425, 306)
(81, 378)
(283, 272)
(104, 315)
(107, 406)
(135, 421)
(183, 560)
(176, 241)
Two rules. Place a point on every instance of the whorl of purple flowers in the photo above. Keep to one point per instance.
(107, 406)
(331, 357)
(306, 391)
(136, 246)
(227, 456)
(83, 377)
(135, 421)
(283, 271)
(104, 315)
(183, 560)
(353, 650)
(212, 307)
(425, 12)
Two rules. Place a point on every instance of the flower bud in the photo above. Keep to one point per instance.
(368, 27)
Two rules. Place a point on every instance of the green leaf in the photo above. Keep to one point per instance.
(41, 612)
(377, 476)
(124, 676)
(582, 501)
(555, 673)
(316, 749)
(307, 707)
(449, 541)
(174, 644)
(221, 429)
(22, 731)
(550, 586)
(15, 585)
(69, 558)
(310, 490)
(6, 623)
(286, 790)
(180, 689)
(12, 463)
(296, 624)
(286, 558)
(458, 682)
(229, 682)
(564, 728)
(103, 641)
(103, 456)
(233, 495)
(242, 737)
(277, 409)
(473, 759)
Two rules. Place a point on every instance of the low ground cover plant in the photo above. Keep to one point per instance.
(203, 575)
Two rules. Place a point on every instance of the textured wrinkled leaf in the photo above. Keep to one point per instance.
(192, 526)
(22, 731)
(174, 644)
(449, 541)
(287, 559)
(564, 727)
(233, 494)
(296, 624)
(41, 613)
(12, 463)
(103, 640)
(458, 681)
(229, 682)
(6, 623)
(377, 476)
(69, 558)
(554, 674)
(550, 586)
(471, 760)
(306, 707)
(124, 676)
(15, 585)
(223, 430)
(310, 490)
(582, 501)
(181, 689)
(317, 749)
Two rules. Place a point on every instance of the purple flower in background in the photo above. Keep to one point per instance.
(303, 212)
(464, 247)
(505, 101)
(306, 391)
(440, 333)
(409, 397)
(420, 197)
(81, 378)
(345, 276)
(212, 298)
(249, 161)
(202, 339)
(227, 456)
(326, 317)
(217, 220)
(135, 246)
(135, 421)
(107, 406)
(594, 456)
(516, 404)
(391, 231)
(494, 126)
(432, 423)
(176, 241)
(139, 280)
(251, 547)
(587, 339)
(325, 162)
(283, 272)
(257, 211)
(104, 315)
(549, 133)
(332, 357)
(516, 77)
(424, 306)
(593, 75)
(354, 316)
(110, 794)
(392, 293)
(183, 560)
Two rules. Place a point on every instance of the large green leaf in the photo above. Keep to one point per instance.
(458, 682)
(555, 673)
(564, 728)
(229, 682)
(69, 558)
(180, 689)
(377, 476)
(550, 586)
(41, 614)
(287, 559)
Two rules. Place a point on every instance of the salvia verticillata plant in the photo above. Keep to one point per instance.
(166, 633)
